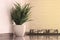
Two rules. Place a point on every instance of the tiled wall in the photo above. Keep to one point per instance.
(45, 14)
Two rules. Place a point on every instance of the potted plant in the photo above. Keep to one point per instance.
(20, 15)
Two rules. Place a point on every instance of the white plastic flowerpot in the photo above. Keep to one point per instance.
(19, 30)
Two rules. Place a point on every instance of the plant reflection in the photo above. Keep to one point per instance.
(19, 38)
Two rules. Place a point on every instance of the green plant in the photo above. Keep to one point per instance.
(20, 14)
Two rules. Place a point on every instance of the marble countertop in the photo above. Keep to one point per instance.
(31, 37)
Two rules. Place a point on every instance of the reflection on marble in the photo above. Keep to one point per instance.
(19, 38)
(31, 37)
(38, 38)
(22, 38)
(46, 37)
(6, 38)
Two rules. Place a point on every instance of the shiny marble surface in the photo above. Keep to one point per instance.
(27, 37)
